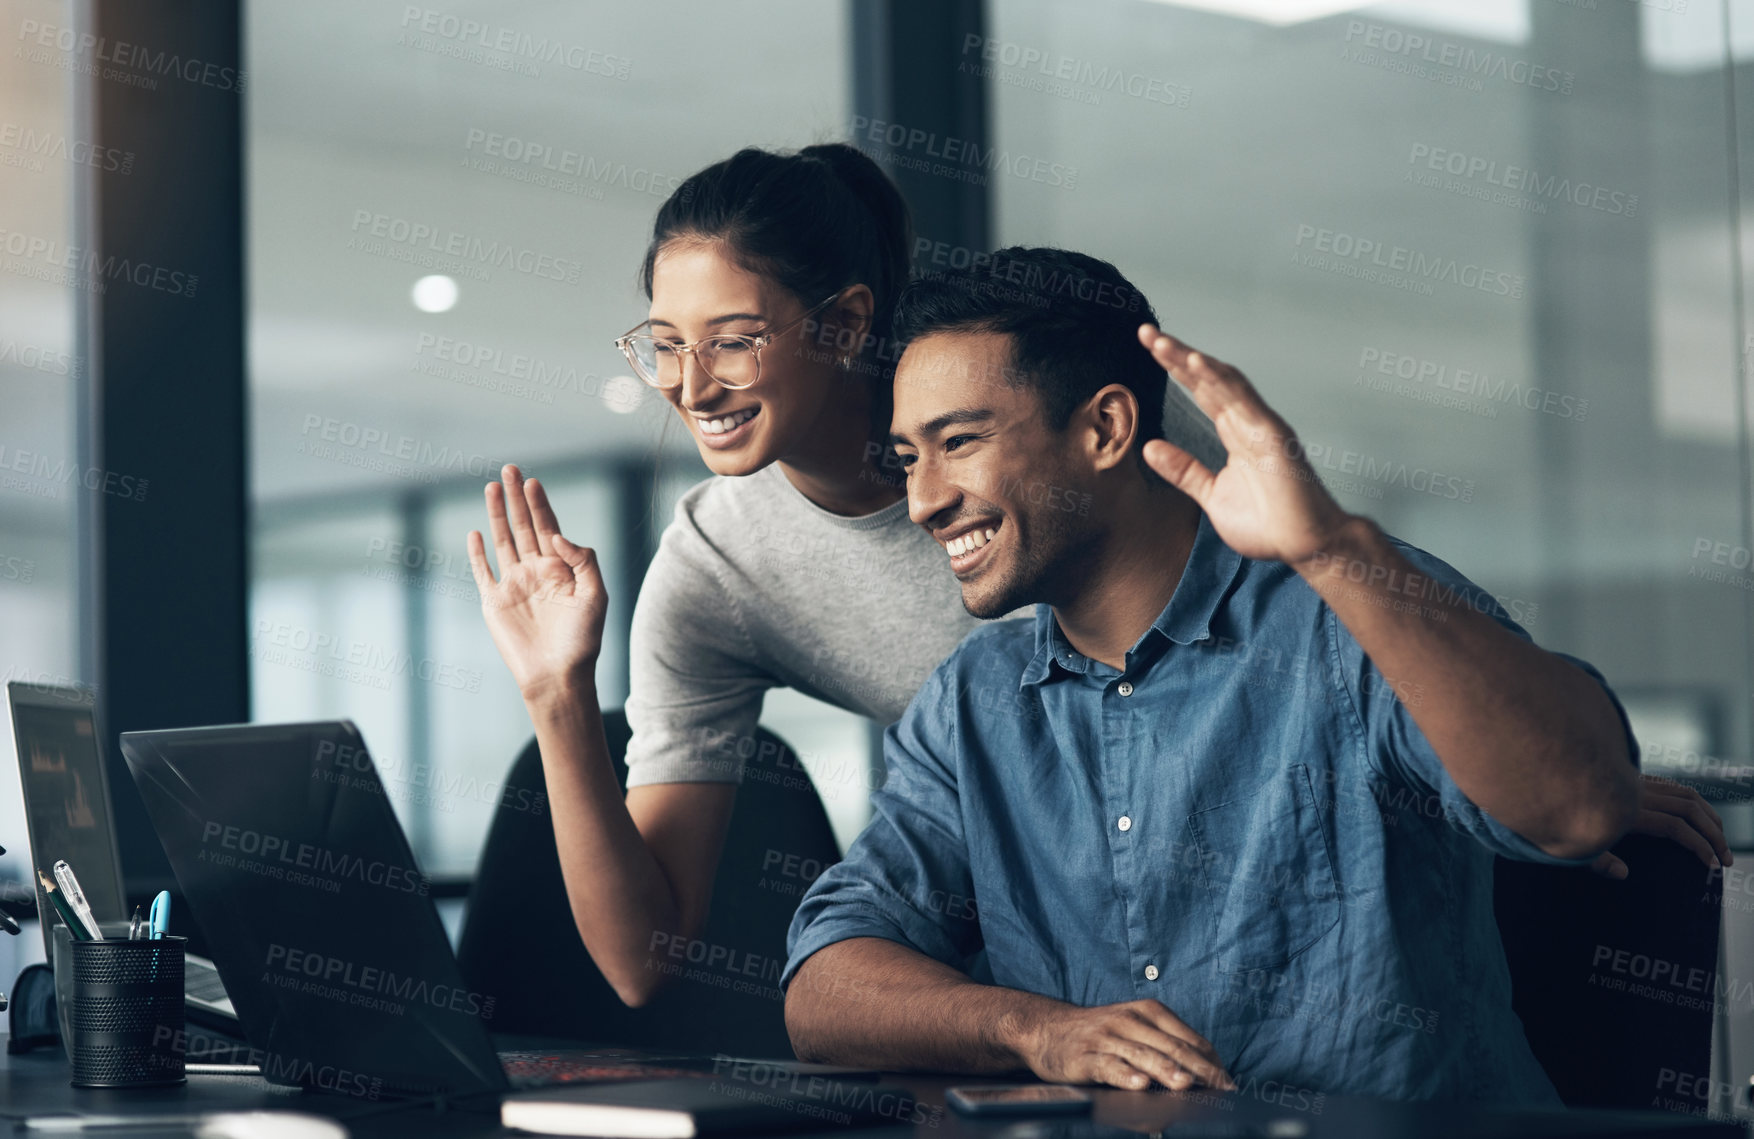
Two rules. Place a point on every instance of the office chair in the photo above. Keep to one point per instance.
(520, 945)
(1573, 939)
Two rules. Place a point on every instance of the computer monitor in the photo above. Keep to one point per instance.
(68, 815)
(66, 795)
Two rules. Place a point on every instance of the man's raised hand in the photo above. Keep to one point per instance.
(1266, 502)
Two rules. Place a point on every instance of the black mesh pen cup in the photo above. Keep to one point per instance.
(61, 958)
(127, 1014)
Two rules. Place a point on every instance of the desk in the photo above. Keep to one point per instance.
(37, 1082)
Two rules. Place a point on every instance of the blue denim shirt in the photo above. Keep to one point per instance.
(1245, 824)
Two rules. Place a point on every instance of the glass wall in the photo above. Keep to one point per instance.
(518, 154)
(43, 150)
(1480, 256)
(1478, 253)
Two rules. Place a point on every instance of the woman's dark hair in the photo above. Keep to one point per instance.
(815, 221)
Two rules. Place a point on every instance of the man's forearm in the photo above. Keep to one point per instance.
(874, 1003)
(1527, 736)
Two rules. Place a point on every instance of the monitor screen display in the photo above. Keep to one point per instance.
(61, 769)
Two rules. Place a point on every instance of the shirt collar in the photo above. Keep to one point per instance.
(1211, 567)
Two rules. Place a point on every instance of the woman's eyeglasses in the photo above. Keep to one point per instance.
(731, 360)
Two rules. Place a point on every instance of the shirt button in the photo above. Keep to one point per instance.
(1125, 689)
(1151, 972)
(1125, 823)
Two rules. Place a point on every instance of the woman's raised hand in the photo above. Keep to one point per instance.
(545, 611)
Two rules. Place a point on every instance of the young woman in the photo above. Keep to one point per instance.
(795, 565)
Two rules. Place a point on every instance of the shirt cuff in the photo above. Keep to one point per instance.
(700, 755)
(646, 771)
(1521, 848)
(1514, 846)
(848, 920)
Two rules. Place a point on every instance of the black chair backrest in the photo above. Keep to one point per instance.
(1615, 981)
(722, 993)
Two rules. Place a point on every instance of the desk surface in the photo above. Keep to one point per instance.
(37, 1082)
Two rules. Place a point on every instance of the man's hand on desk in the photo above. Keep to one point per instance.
(1125, 1045)
(874, 1002)
(1669, 810)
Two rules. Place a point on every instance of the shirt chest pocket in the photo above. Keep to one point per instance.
(1268, 873)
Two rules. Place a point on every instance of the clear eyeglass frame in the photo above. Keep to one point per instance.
(631, 341)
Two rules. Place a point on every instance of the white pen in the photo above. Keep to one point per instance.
(76, 897)
(94, 1122)
(214, 1125)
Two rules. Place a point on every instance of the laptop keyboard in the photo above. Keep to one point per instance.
(536, 1068)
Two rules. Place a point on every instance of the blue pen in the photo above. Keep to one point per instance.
(161, 914)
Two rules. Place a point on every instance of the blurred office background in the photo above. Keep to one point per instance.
(1481, 253)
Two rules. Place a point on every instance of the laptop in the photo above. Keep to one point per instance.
(68, 816)
(292, 860)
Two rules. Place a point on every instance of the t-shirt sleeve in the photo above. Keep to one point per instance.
(1396, 746)
(906, 878)
(695, 683)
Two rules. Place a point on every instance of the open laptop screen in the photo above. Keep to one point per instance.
(294, 865)
(66, 798)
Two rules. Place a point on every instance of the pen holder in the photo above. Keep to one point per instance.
(61, 962)
(125, 1024)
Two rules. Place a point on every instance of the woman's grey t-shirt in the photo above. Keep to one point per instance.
(754, 586)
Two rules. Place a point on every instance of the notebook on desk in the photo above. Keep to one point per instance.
(68, 815)
(290, 855)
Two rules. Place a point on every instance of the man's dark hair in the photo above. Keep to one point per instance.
(1073, 321)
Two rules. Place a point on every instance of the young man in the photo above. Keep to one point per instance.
(1229, 802)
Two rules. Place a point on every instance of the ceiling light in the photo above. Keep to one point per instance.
(1272, 11)
(437, 293)
(623, 394)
